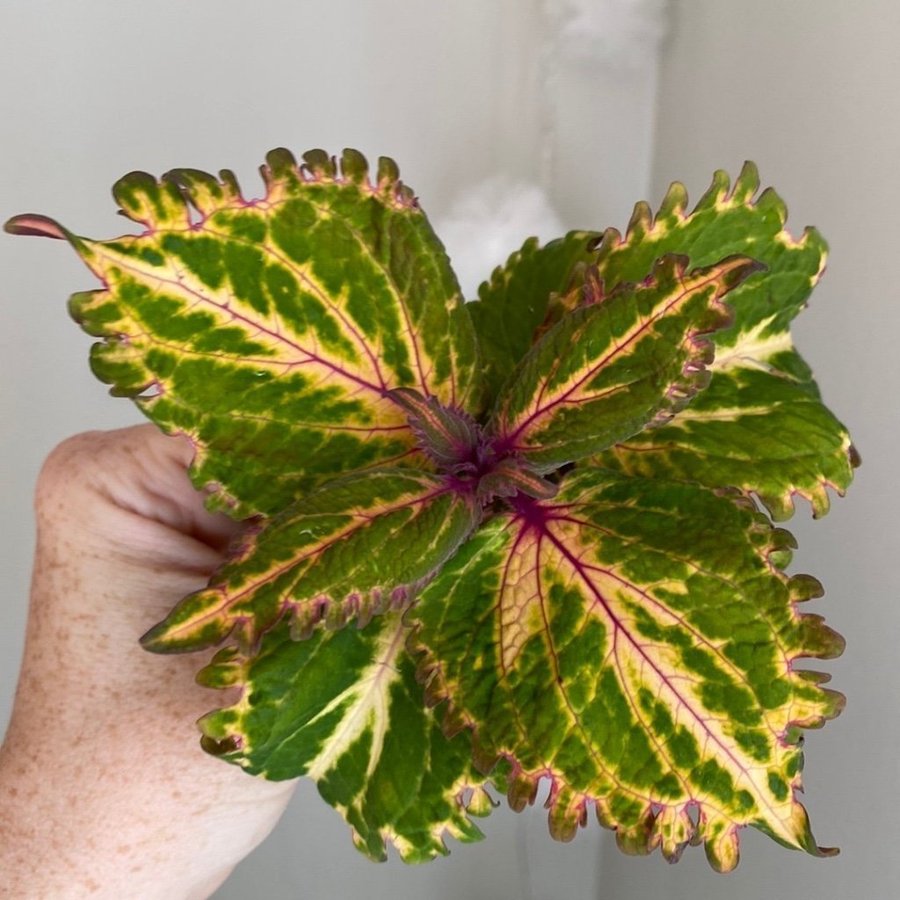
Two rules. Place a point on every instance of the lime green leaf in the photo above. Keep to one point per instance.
(513, 304)
(635, 642)
(618, 363)
(760, 425)
(727, 221)
(344, 708)
(271, 331)
(357, 547)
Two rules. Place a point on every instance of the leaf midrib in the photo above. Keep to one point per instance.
(617, 346)
(665, 681)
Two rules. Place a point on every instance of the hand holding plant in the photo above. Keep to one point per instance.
(104, 793)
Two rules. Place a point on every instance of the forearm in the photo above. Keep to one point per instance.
(100, 796)
(68, 831)
(103, 787)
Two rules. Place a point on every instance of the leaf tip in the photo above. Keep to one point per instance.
(220, 747)
(354, 166)
(320, 164)
(747, 183)
(568, 811)
(154, 640)
(150, 202)
(193, 624)
(716, 193)
(388, 172)
(641, 220)
(521, 790)
(35, 225)
(480, 803)
(723, 851)
(280, 163)
(674, 204)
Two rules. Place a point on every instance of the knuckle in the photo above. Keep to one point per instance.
(69, 465)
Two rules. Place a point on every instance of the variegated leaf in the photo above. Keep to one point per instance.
(634, 641)
(726, 221)
(760, 425)
(344, 709)
(513, 303)
(271, 331)
(357, 547)
(611, 367)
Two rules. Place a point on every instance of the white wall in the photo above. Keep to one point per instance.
(808, 89)
(455, 92)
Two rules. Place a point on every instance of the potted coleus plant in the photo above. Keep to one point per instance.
(517, 539)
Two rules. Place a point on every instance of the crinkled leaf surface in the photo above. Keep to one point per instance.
(270, 331)
(512, 304)
(760, 425)
(345, 709)
(356, 547)
(609, 368)
(634, 641)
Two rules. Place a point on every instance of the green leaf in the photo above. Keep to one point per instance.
(616, 364)
(357, 547)
(727, 221)
(513, 304)
(760, 425)
(635, 642)
(344, 708)
(271, 331)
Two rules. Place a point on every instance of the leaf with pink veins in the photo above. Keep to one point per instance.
(271, 331)
(635, 642)
(617, 363)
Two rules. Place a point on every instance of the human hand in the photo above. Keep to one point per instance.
(104, 789)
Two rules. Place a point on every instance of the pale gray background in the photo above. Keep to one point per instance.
(458, 92)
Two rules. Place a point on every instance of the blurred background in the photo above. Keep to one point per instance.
(508, 117)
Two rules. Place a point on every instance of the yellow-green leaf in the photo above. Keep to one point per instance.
(357, 547)
(271, 331)
(635, 642)
(760, 425)
(616, 364)
(344, 708)
(512, 304)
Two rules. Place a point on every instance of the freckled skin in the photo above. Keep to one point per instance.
(103, 786)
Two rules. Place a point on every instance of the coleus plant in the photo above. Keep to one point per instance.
(492, 542)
